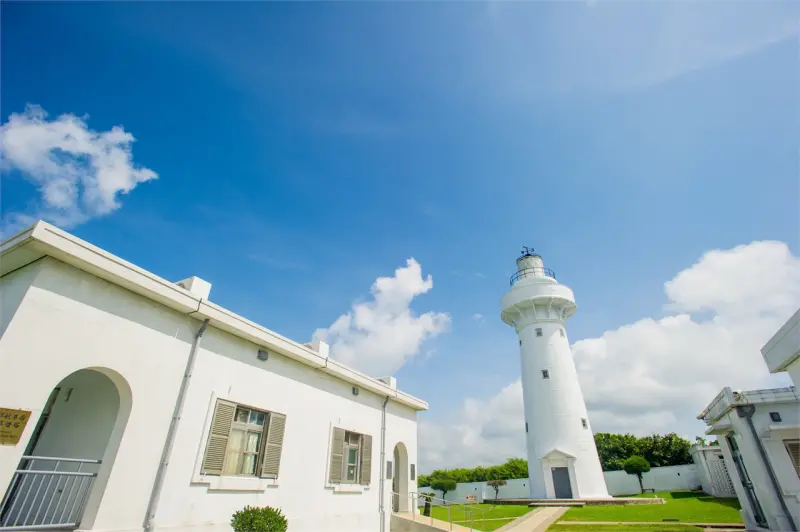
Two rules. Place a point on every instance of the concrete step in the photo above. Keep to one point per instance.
(568, 504)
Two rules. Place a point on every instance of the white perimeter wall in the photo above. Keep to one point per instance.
(69, 320)
(683, 477)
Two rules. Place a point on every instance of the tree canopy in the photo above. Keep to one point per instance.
(613, 449)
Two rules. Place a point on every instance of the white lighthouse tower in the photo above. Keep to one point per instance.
(562, 457)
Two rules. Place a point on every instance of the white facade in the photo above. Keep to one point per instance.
(113, 341)
(562, 457)
(759, 435)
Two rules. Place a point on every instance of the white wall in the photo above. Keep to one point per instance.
(670, 478)
(777, 455)
(92, 323)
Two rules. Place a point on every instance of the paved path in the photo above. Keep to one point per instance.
(536, 521)
(712, 526)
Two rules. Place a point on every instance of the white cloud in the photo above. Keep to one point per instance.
(654, 375)
(379, 336)
(478, 317)
(80, 173)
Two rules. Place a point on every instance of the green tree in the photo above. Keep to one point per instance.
(423, 481)
(495, 484)
(444, 485)
(636, 465)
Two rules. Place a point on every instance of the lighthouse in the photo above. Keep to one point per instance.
(562, 457)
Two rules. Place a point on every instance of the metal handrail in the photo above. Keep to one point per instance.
(467, 509)
(29, 500)
(536, 271)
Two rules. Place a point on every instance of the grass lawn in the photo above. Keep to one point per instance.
(624, 528)
(485, 517)
(687, 506)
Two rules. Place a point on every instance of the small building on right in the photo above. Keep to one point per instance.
(759, 433)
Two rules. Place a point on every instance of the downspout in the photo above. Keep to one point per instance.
(747, 412)
(381, 505)
(152, 505)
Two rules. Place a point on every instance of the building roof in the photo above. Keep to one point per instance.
(728, 399)
(43, 239)
(784, 347)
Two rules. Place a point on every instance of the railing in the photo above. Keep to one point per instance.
(47, 493)
(470, 516)
(532, 272)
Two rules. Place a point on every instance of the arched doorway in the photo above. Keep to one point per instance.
(400, 479)
(69, 455)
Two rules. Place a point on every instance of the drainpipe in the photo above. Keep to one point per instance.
(152, 505)
(381, 505)
(747, 412)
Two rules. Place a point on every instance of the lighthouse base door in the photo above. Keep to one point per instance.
(561, 485)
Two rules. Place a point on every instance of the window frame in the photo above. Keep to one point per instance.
(347, 447)
(584, 423)
(539, 331)
(545, 373)
(248, 428)
(786, 443)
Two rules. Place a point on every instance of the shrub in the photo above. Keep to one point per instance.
(495, 484)
(444, 485)
(636, 465)
(254, 519)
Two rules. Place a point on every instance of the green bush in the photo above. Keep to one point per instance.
(636, 465)
(253, 519)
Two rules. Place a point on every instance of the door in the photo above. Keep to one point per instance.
(561, 483)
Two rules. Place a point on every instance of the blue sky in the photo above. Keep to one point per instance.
(305, 149)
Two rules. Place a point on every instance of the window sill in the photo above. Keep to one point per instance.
(348, 488)
(223, 483)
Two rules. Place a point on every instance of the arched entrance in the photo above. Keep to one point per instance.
(400, 479)
(69, 455)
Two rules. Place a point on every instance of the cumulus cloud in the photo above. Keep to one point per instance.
(379, 336)
(654, 375)
(80, 173)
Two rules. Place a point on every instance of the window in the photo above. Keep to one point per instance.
(351, 457)
(244, 441)
(561, 332)
(538, 332)
(413, 475)
(775, 416)
(584, 423)
(526, 426)
(545, 374)
(793, 448)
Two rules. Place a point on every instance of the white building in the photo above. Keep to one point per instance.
(759, 433)
(715, 479)
(562, 457)
(168, 412)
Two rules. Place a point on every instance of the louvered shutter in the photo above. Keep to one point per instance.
(389, 469)
(413, 475)
(337, 456)
(214, 458)
(793, 447)
(274, 444)
(366, 459)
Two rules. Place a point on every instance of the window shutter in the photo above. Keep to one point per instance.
(218, 437)
(366, 459)
(273, 446)
(413, 471)
(389, 469)
(337, 456)
(793, 447)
